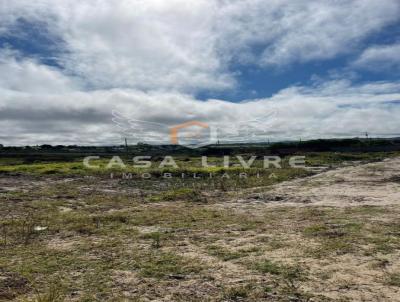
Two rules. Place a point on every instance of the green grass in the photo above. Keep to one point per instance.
(268, 267)
(186, 194)
(393, 279)
(227, 255)
(163, 265)
(112, 240)
(214, 178)
(288, 278)
(335, 158)
(223, 179)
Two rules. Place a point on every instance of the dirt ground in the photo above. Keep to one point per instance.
(375, 184)
(334, 236)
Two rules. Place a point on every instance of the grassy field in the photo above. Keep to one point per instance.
(72, 234)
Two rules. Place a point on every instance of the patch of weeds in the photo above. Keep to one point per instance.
(237, 293)
(186, 194)
(80, 223)
(365, 210)
(89, 224)
(393, 279)
(313, 213)
(384, 236)
(380, 264)
(287, 278)
(336, 158)
(334, 238)
(290, 283)
(331, 230)
(276, 245)
(317, 230)
(336, 246)
(156, 237)
(22, 230)
(55, 293)
(115, 218)
(325, 275)
(253, 249)
(267, 266)
(161, 265)
(272, 243)
(225, 254)
(286, 271)
(293, 274)
(12, 285)
(382, 244)
(246, 292)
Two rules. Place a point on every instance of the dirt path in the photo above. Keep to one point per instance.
(369, 184)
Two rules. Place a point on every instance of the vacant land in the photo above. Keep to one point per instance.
(68, 234)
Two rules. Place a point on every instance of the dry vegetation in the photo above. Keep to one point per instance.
(329, 237)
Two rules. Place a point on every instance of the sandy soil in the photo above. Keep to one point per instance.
(351, 276)
(369, 184)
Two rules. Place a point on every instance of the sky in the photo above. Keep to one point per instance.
(256, 70)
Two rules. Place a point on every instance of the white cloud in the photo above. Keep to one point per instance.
(288, 31)
(193, 46)
(380, 57)
(27, 75)
(330, 109)
(137, 44)
(147, 58)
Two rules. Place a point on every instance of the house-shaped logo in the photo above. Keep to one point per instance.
(193, 134)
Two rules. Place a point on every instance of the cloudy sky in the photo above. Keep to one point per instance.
(256, 69)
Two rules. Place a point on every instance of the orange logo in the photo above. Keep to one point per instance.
(191, 134)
